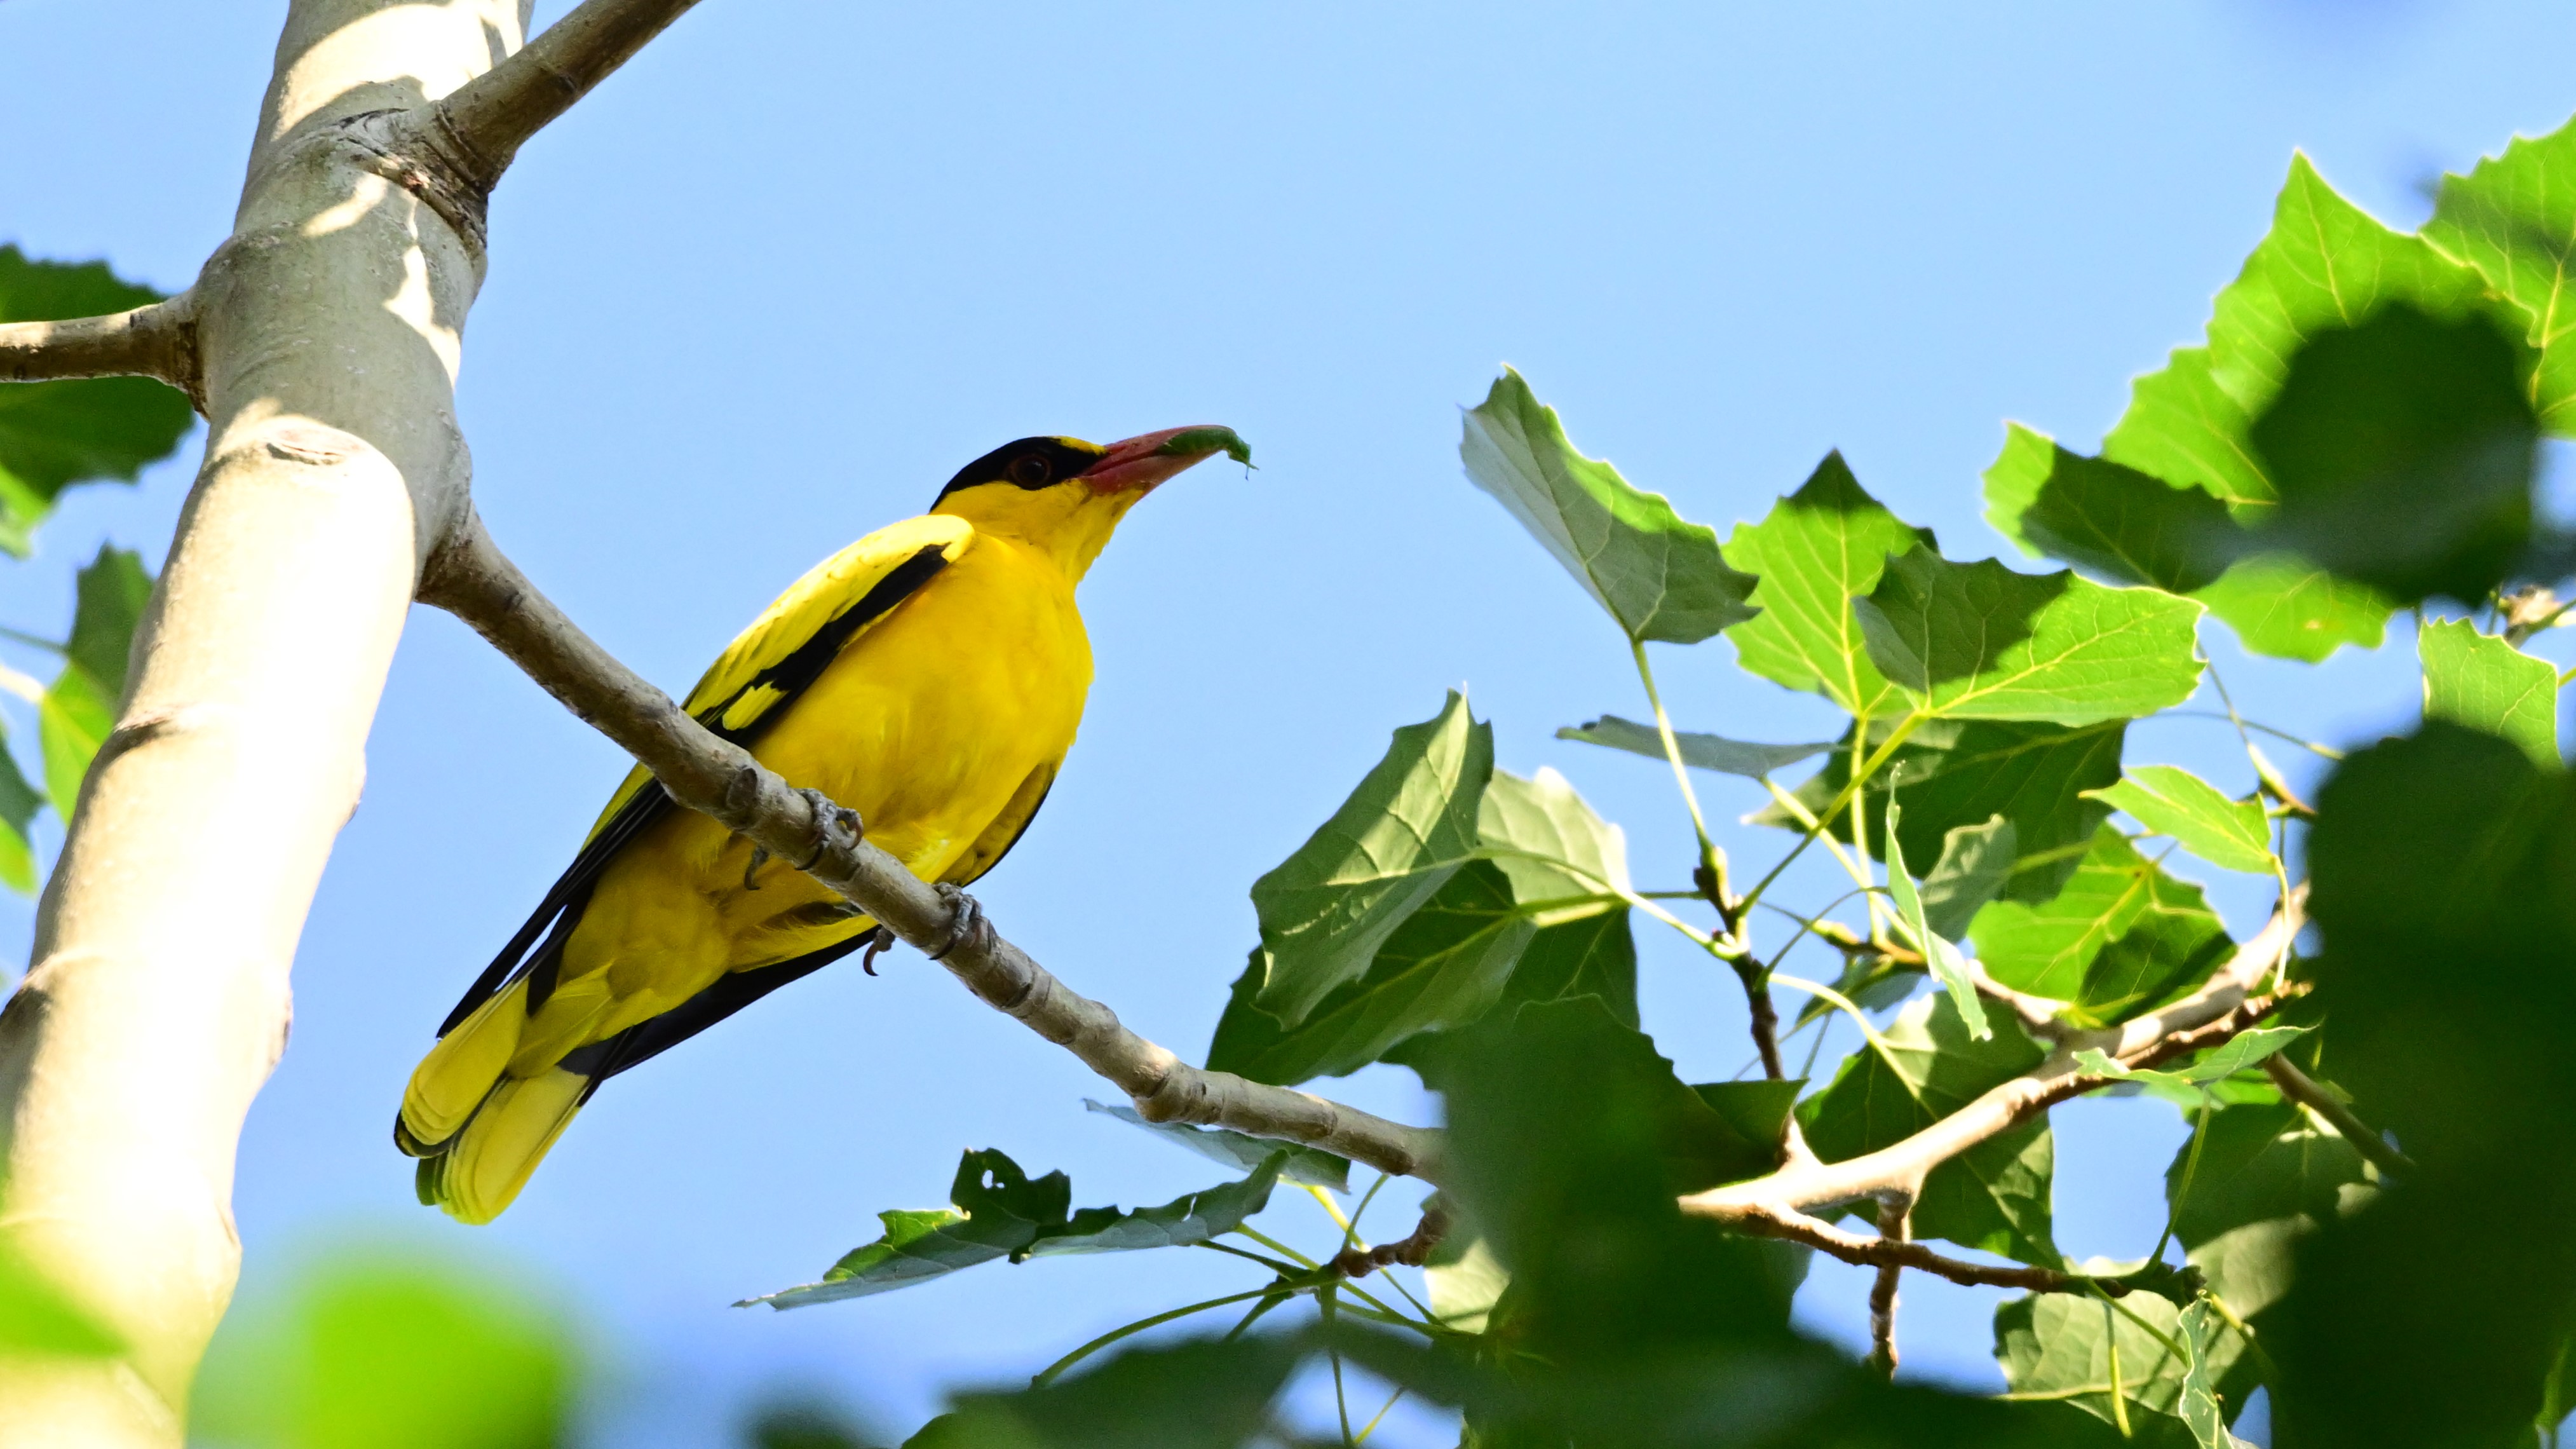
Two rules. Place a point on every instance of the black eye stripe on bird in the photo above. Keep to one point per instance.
(929, 677)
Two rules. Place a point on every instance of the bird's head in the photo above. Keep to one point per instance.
(1065, 496)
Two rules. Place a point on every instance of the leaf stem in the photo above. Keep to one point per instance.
(1843, 797)
(1712, 861)
(1049, 1373)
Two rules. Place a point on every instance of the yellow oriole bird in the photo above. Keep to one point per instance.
(929, 676)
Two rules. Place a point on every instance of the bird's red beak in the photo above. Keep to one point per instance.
(1144, 462)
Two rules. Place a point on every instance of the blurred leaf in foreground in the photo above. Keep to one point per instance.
(1197, 1394)
(384, 1350)
(2444, 870)
(56, 434)
(1660, 576)
(38, 1319)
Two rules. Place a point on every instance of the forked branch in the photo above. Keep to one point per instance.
(471, 578)
(159, 340)
(477, 130)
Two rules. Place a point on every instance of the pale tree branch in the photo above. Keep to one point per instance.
(2222, 1007)
(477, 129)
(471, 578)
(2305, 1090)
(159, 340)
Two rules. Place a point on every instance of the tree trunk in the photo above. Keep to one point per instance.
(327, 333)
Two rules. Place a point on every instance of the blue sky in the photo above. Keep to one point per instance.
(768, 287)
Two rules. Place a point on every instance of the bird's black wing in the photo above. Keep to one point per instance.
(637, 1044)
(537, 949)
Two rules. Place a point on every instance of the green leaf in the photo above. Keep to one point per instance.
(2061, 1346)
(2513, 218)
(2256, 1178)
(1818, 548)
(1923, 1067)
(79, 708)
(1964, 773)
(1328, 908)
(1976, 862)
(39, 1320)
(1199, 1394)
(2284, 607)
(2106, 519)
(2245, 1049)
(1549, 843)
(1938, 954)
(385, 1349)
(2404, 449)
(2488, 685)
(1526, 923)
(1001, 1213)
(2203, 1342)
(2118, 938)
(2439, 867)
(1699, 751)
(56, 434)
(2325, 265)
(1311, 1166)
(2167, 800)
(1466, 1281)
(1978, 641)
(1659, 576)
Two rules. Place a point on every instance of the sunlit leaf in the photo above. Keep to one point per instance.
(19, 802)
(1924, 1066)
(1938, 954)
(2246, 1048)
(1001, 1212)
(1978, 641)
(2285, 607)
(2514, 219)
(2120, 936)
(1964, 773)
(56, 434)
(1819, 548)
(1307, 1165)
(2204, 1340)
(2108, 520)
(2230, 834)
(1398, 839)
(1660, 577)
(1699, 751)
(1549, 843)
(2484, 683)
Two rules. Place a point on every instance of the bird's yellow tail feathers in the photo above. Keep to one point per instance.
(479, 1131)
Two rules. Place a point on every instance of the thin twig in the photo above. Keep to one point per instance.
(1880, 1252)
(1895, 1225)
(1412, 1251)
(471, 578)
(2222, 1007)
(159, 340)
(2305, 1090)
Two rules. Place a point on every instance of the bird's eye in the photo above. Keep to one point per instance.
(1030, 470)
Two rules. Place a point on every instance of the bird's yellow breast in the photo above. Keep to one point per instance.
(927, 724)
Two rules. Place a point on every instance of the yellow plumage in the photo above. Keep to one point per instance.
(930, 676)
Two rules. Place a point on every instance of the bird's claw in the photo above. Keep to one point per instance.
(965, 920)
(759, 857)
(828, 814)
(880, 941)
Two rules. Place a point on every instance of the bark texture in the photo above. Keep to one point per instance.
(327, 333)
